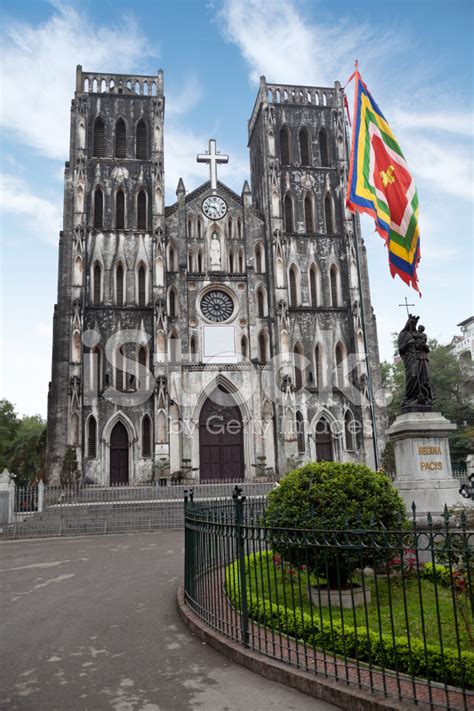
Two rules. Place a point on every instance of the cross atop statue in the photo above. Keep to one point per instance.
(406, 304)
(212, 157)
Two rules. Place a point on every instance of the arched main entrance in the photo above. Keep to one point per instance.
(119, 455)
(324, 445)
(221, 442)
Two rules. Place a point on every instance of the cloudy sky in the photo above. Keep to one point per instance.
(416, 58)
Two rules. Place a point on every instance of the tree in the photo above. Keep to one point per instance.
(8, 427)
(28, 451)
(333, 496)
(22, 444)
(449, 376)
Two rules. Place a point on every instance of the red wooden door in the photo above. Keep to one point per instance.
(221, 444)
(119, 455)
(324, 448)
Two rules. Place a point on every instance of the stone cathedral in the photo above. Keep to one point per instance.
(224, 336)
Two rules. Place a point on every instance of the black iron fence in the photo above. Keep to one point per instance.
(390, 611)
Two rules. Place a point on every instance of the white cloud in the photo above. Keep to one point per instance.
(461, 124)
(39, 62)
(178, 103)
(43, 217)
(442, 165)
(277, 40)
(181, 149)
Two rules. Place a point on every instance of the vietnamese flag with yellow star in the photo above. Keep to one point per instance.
(381, 185)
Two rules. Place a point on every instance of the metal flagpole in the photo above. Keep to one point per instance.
(370, 389)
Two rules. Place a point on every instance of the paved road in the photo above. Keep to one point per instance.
(90, 623)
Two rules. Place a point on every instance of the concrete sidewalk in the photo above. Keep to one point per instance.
(91, 623)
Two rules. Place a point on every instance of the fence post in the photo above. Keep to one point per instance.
(40, 496)
(239, 529)
(188, 548)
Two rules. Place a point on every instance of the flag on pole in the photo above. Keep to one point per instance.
(381, 185)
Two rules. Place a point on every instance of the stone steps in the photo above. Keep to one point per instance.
(99, 518)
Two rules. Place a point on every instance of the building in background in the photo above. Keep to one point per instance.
(222, 336)
(463, 348)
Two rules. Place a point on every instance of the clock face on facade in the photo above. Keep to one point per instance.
(214, 207)
(217, 306)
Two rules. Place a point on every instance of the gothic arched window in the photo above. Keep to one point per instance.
(91, 437)
(172, 304)
(241, 261)
(141, 370)
(262, 347)
(99, 138)
(259, 268)
(119, 374)
(120, 139)
(231, 262)
(199, 260)
(300, 432)
(308, 214)
(260, 303)
(318, 367)
(141, 210)
(172, 258)
(298, 366)
(193, 349)
(323, 147)
(313, 285)
(141, 290)
(96, 369)
(328, 215)
(304, 146)
(288, 206)
(97, 286)
(141, 150)
(146, 437)
(333, 278)
(243, 346)
(293, 286)
(98, 208)
(173, 348)
(119, 276)
(120, 210)
(284, 146)
(349, 431)
(339, 365)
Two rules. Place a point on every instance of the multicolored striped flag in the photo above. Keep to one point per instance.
(381, 185)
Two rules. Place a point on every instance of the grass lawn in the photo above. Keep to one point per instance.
(397, 607)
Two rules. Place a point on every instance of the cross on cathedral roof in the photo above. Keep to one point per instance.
(212, 157)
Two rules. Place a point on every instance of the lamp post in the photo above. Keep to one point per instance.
(467, 490)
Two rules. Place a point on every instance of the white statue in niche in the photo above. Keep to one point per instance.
(215, 252)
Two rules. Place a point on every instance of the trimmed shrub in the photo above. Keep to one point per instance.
(437, 572)
(446, 666)
(333, 496)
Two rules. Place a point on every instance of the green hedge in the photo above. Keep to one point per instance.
(356, 643)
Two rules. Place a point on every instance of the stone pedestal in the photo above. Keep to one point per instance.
(423, 461)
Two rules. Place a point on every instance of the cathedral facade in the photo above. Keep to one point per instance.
(224, 336)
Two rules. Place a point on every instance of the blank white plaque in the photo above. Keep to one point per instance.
(219, 344)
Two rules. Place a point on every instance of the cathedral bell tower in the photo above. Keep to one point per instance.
(109, 278)
(318, 274)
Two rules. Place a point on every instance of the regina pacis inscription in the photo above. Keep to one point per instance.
(430, 464)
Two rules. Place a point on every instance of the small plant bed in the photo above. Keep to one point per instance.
(399, 629)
